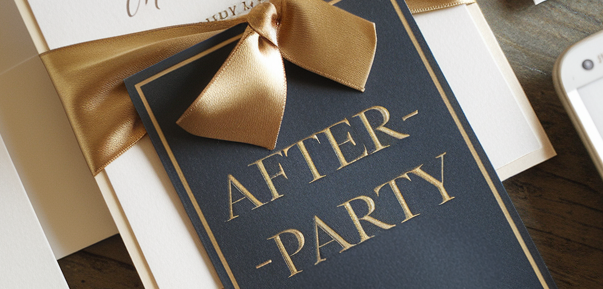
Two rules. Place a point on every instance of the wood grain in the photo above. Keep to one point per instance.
(103, 265)
(560, 201)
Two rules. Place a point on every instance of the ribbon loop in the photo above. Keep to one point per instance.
(88, 76)
(328, 41)
(265, 20)
(245, 101)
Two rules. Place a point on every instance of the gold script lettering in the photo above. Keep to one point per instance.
(129, 10)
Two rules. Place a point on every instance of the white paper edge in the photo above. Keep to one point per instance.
(27, 260)
(538, 156)
(123, 226)
(54, 196)
(125, 230)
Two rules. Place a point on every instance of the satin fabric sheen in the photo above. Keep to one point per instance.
(245, 101)
(420, 6)
(89, 78)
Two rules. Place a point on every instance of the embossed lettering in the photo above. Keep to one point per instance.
(371, 131)
(267, 177)
(232, 181)
(286, 256)
(304, 151)
(438, 184)
(418, 171)
(371, 207)
(337, 145)
(392, 184)
(319, 224)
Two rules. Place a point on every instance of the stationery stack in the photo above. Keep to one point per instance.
(23, 245)
(151, 206)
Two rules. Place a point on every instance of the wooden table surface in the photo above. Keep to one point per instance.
(560, 201)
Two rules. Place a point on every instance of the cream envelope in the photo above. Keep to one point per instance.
(145, 207)
(27, 261)
(42, 145)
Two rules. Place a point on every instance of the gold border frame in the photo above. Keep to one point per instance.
(442, 94)
(472, 149)
(168, 149)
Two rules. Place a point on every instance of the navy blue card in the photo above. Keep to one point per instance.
(383, 189)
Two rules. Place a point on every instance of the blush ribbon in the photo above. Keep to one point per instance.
(89, 76)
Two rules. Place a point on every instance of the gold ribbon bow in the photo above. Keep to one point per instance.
(245, 101)
(89, 76)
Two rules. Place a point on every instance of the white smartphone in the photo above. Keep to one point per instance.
(578, 78)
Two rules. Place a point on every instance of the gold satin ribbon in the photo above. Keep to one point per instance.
(245, 101)
(420, 6)
(89, 79)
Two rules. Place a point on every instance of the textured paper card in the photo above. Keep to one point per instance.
(468, 220)
(91, 20)
(486, 98)
(26, 259)
(42, 145)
